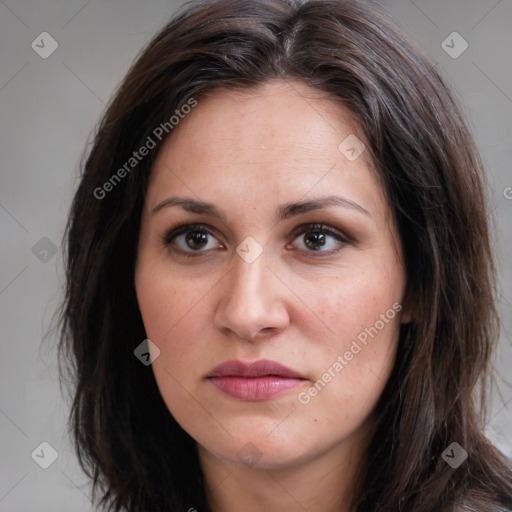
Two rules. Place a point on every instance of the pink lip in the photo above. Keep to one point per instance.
(254, 381)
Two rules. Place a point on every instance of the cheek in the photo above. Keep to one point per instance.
(176, 312)
(157, 303)
(167, 307)
(350, 304)
(165, 299)
(173, 315)
(360, 319)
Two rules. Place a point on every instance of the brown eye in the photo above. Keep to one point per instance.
(196, 239)
(315, 240)
(318, 238)
(191, 239)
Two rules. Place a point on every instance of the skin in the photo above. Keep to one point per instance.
(248, 153)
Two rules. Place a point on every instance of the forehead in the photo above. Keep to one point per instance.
(274, 144)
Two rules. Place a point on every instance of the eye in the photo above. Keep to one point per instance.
(318, 238)
(196, 239)
(191, 238)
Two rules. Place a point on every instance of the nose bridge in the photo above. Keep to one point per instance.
(247, 283)
(250, 302)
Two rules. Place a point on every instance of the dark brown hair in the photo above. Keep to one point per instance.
(127, 441)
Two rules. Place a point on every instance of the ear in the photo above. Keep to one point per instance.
(409, 310)
(407, 318)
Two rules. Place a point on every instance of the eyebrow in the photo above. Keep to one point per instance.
(283, 212)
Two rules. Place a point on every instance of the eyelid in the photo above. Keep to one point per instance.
(319, 226)
(342, 237)
(179, 229)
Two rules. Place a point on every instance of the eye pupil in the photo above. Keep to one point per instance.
(196, 239)
(315, 240)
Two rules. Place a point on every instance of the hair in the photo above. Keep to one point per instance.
(128, 443)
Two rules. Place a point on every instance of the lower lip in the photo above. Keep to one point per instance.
(255, 388)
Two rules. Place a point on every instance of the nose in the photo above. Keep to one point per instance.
(252, 303)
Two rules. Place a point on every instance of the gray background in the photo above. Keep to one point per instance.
(48, 108)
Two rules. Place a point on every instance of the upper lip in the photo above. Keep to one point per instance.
(260, 368)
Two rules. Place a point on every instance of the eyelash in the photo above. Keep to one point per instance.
(174, 232)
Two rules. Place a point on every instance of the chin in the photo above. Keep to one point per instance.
(261, 451)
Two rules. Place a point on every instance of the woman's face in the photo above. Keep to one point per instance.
(266, 239)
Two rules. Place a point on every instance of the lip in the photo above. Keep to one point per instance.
(254, 381)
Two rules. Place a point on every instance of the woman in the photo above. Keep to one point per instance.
(280, 283)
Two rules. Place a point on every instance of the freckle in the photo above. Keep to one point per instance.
(315, 420)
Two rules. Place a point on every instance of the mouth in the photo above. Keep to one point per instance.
(254, 381)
